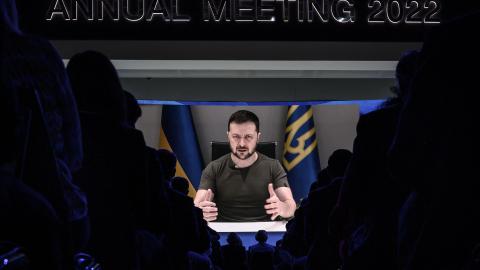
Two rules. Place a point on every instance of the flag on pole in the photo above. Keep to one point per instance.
(177, 134)
(300, 155)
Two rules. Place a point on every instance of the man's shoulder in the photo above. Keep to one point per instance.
(265, 160)
(261, 247)
(220, 162)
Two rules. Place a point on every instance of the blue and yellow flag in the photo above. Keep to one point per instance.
(300, 155)
(178, 135)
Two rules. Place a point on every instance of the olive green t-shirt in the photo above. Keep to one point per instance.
(241, 193)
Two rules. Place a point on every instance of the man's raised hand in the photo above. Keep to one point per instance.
(209, 208)
(273, 205)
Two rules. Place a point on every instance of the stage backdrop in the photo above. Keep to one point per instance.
(335, 126)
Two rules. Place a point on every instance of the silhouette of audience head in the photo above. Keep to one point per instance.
(180, 184)
(337, 165)
(168, 161)
(338, 162)
(261, 236)
(96, 85)
(134, 111)
(404, 74)
(405, 71)
(234, 240)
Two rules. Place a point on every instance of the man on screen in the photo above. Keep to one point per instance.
(244, 185)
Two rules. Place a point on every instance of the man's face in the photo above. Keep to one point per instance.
(243, 139)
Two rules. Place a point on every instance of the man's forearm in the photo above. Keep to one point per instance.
(291, 207)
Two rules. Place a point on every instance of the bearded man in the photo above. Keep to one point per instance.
(244, 185)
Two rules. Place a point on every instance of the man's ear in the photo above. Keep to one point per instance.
(258, 136)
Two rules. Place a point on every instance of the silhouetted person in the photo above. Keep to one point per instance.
(180, 184)
(48, 144)
(233, 253)
(322, 247)
(366, 214)
(20, 205)
(435, 151)
(155, 172)
(173, 218)
(154, 253)
(187, 220)
(216, 254)
(282, 260)
(260, 256)
(296, 240)
(33, 64)
(337, 164)
(307, 233)
(293, 239)
(114, 172)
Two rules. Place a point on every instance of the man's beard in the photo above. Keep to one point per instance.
(248, 155)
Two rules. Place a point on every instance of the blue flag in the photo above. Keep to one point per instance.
(178, 135)
(300, 155)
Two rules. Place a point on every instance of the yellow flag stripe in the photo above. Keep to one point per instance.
(291, 110)
(180, 171)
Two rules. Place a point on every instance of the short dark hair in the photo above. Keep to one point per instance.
(244, 116)
(261, 236)
(168, 160)
(234, 240)
(180, 184)
(338, 162)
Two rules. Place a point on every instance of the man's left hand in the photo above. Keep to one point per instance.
(274, 205)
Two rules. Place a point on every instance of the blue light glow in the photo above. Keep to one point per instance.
(365, 106)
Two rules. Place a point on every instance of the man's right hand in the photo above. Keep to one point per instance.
(205, 202)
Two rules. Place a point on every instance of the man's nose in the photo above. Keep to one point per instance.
(242, 142)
